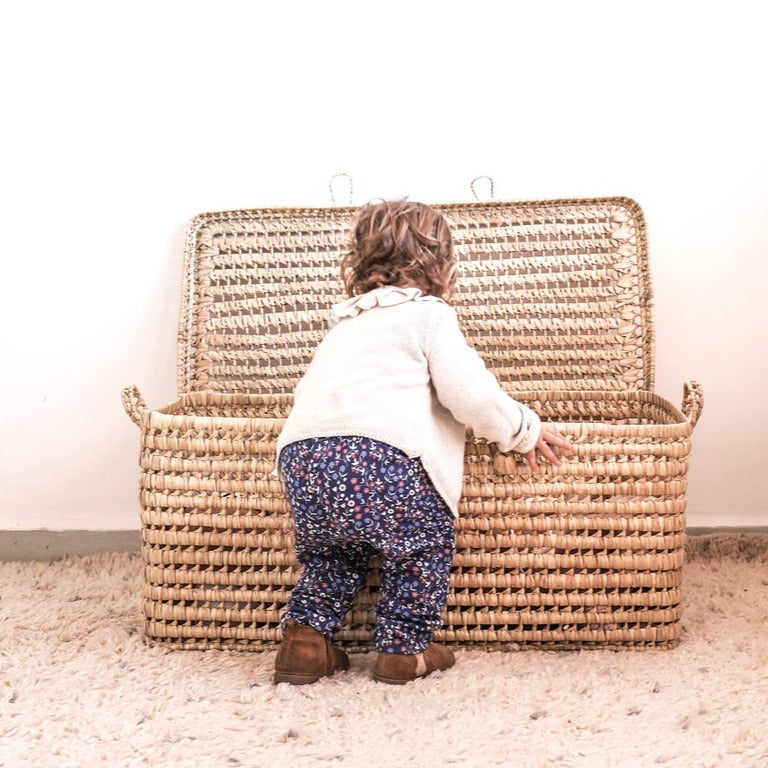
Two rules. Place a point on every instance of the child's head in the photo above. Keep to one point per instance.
(400, 243)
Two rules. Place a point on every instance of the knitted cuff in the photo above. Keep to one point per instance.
(531, 431)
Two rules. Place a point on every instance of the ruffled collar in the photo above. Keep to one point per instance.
(386, 296)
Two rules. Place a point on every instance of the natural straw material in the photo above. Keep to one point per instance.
(556, 297)
(553, 294)
(589, 554)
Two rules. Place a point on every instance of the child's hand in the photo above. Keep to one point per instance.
(549, 445)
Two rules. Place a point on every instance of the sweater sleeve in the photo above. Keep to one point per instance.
(472, 393)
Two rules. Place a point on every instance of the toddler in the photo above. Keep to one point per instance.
(372, 453)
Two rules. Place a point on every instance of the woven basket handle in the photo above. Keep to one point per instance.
(134, 404)
(332, 187)
(472, 186)
(693, 401)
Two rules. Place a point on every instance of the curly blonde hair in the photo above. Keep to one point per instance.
(399, 243)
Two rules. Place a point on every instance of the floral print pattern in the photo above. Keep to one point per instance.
(350, 497)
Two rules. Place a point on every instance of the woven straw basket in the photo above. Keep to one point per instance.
(556, 297)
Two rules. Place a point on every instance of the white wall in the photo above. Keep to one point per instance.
(123, 121)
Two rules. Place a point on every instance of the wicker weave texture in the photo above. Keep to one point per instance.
(586, 556)
(554, 295)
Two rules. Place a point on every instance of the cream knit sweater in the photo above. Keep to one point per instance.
(396, 368)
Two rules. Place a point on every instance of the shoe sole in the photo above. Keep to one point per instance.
(393, 681)
(281, 677)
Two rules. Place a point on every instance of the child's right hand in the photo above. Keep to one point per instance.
(549, 445)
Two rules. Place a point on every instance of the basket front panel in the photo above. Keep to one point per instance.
(588, 555)
(553, 294)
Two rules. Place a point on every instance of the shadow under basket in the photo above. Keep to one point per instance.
(588, 554)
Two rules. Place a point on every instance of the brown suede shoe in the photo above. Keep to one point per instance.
(399, 668)
(305, 655)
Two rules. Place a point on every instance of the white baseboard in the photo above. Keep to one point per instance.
(54, 545)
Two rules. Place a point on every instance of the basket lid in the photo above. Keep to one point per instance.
(552, 294)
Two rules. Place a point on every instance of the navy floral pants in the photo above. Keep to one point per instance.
(351, 496)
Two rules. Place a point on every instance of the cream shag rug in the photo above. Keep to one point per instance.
(80, 687)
